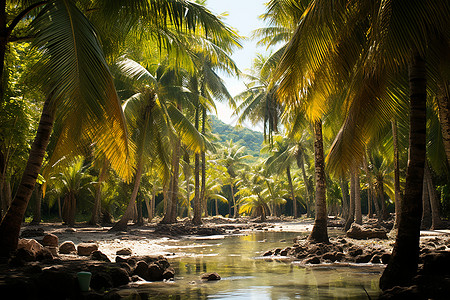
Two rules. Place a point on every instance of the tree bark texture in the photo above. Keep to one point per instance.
(358, 212)
(403, 264)
(425, 223)
(291, 188)
(345, 204)
(436, 222)
(11, 222)
(397, 192)
(444, 119)
(96, 212)
(121, 225)
(351, 212)
(319, 233)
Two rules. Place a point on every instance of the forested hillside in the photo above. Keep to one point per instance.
(252, 140)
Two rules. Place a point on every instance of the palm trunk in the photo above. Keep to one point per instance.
(305, 181)
(351, 212)
(291, 187)
(3, 43)
(370, 193)
(197, 220)
(236, 213)
(345, 204)
(384, 211)
(170, 216)
(444, 119)
(425, 223)
(59, 208)
(96, 213)
(203, 156)
(37, 206)
(402, 266)
(319, 233)
(121, 225)
(436, 222)
(358, 213)
(11, 223)
(397, 192)
(217, 208)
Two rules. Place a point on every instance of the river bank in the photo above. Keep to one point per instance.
(184, 246)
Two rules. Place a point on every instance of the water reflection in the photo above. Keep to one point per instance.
(245, 275)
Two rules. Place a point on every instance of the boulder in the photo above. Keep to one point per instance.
(313, 260)
(50, 240)
(124, 251)
(44, 254)
(359, 232)
(155, 272)
(32, 232)
(119, 277)
(210, 276)
(141, 269)
(24, 255)
(169, 273)
(31, 245)
(67, 247)
(85, 249)
(98, 255)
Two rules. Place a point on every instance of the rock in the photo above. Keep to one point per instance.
(98, 255)
(44, 254)
(210, 276)
(24, 255)
(268, 253)
(437, 263)
(50, 240)
(141, 269)
(101, 281)
(411, 293)
(67, 247)
(31, 245)
(120, 259)
(313, 260)
(53, 250)
(169, 273)
(363, 259)
(56, 284)
(359, 232)
(124, 251)
(85, 249)
(355, 251)
(155, 272)
(136, 278)
(285, 251)
(376, 259)
(329, 256)
(119, 277)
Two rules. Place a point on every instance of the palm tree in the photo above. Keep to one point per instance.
(390, 48)
(232, 159)
(283, 156)
(152, 119)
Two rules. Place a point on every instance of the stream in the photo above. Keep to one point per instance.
(246, 275)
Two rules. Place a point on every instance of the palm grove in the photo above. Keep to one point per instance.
(104, 108)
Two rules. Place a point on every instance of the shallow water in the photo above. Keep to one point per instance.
(246, 275)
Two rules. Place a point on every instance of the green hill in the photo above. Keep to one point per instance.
(252, 140)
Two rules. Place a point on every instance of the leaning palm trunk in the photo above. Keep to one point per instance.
(351, 212)
(291, 188)
(444, 119)
(319, 233)
(121, 225)
(425, 223)
(402, 266)
(396, 174)
(345, 208)
(11, 222)
(203, 156)
(436, 222)
(308, 197)
(96, 213)
(358, 213)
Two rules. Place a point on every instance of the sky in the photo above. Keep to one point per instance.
(242, 16)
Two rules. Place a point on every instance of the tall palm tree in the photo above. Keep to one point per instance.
(284, 154)
(153, 117)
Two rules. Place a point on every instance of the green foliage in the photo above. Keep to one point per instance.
(252, 140)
